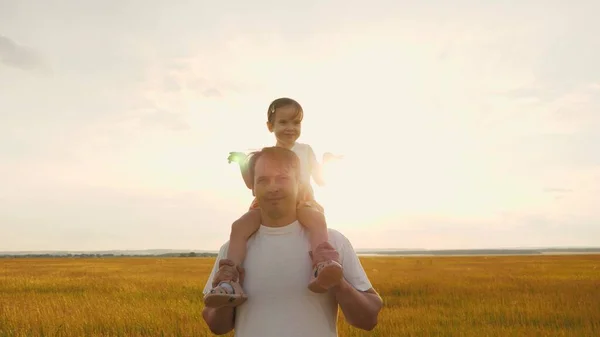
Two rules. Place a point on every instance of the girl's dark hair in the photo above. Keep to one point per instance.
(280, 103)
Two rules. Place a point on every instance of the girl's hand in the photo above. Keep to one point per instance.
(328, 156)
(237, 157)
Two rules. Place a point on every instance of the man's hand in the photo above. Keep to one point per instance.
(228, 271)
(326, 252)
(237, 157)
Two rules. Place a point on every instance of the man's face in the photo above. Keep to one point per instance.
(275, 187)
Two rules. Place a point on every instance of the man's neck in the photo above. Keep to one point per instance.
(279, 222)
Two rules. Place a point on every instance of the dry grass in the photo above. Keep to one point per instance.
(440, 296)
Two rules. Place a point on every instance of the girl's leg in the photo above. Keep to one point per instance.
(325, 273)
(314, 222)
(229, 292)
(241, 230)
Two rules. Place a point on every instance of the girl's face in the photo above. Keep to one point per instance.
(287, 125)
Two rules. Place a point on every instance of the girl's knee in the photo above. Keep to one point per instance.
(237, 226)
(310, 216)
(246, 225)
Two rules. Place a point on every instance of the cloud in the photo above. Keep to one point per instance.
(212, 92)
(533, 92)
(580, 107)
(108, 117)
(171, 84)
(509, 229)
(559, 193)
(175, 84)
(17, 56)
(166, 119)
(557, 190)
(114, 218)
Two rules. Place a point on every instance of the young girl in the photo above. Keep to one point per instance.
(284, 119)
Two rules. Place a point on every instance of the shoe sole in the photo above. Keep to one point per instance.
(223, 300)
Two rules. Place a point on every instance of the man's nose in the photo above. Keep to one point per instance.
(273, 187)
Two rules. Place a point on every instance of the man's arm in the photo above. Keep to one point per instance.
(220, 321)
(360, 308)
(359, 302)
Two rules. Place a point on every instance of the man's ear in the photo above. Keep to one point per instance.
(270, 126)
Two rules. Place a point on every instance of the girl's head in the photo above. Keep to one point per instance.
(284, 118)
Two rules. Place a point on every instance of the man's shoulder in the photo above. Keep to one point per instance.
(302, 147)
(223, 249)
(338, 240)
(336, 233)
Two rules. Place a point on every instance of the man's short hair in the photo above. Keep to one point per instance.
(279, 154)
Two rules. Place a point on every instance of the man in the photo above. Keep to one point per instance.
(278, 266)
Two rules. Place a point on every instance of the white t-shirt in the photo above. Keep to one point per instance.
(278, 270)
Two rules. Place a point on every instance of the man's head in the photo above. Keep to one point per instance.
(275, 173)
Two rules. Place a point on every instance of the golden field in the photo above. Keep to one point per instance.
(424, 296)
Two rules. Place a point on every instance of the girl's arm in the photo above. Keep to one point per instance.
(242, 160)
(316, 169)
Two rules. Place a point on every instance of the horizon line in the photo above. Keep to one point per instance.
(356, 249)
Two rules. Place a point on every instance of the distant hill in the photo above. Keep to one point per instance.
(113, 253)
(505, 251)
(388, 252)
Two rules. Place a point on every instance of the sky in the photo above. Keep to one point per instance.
(464, 125)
